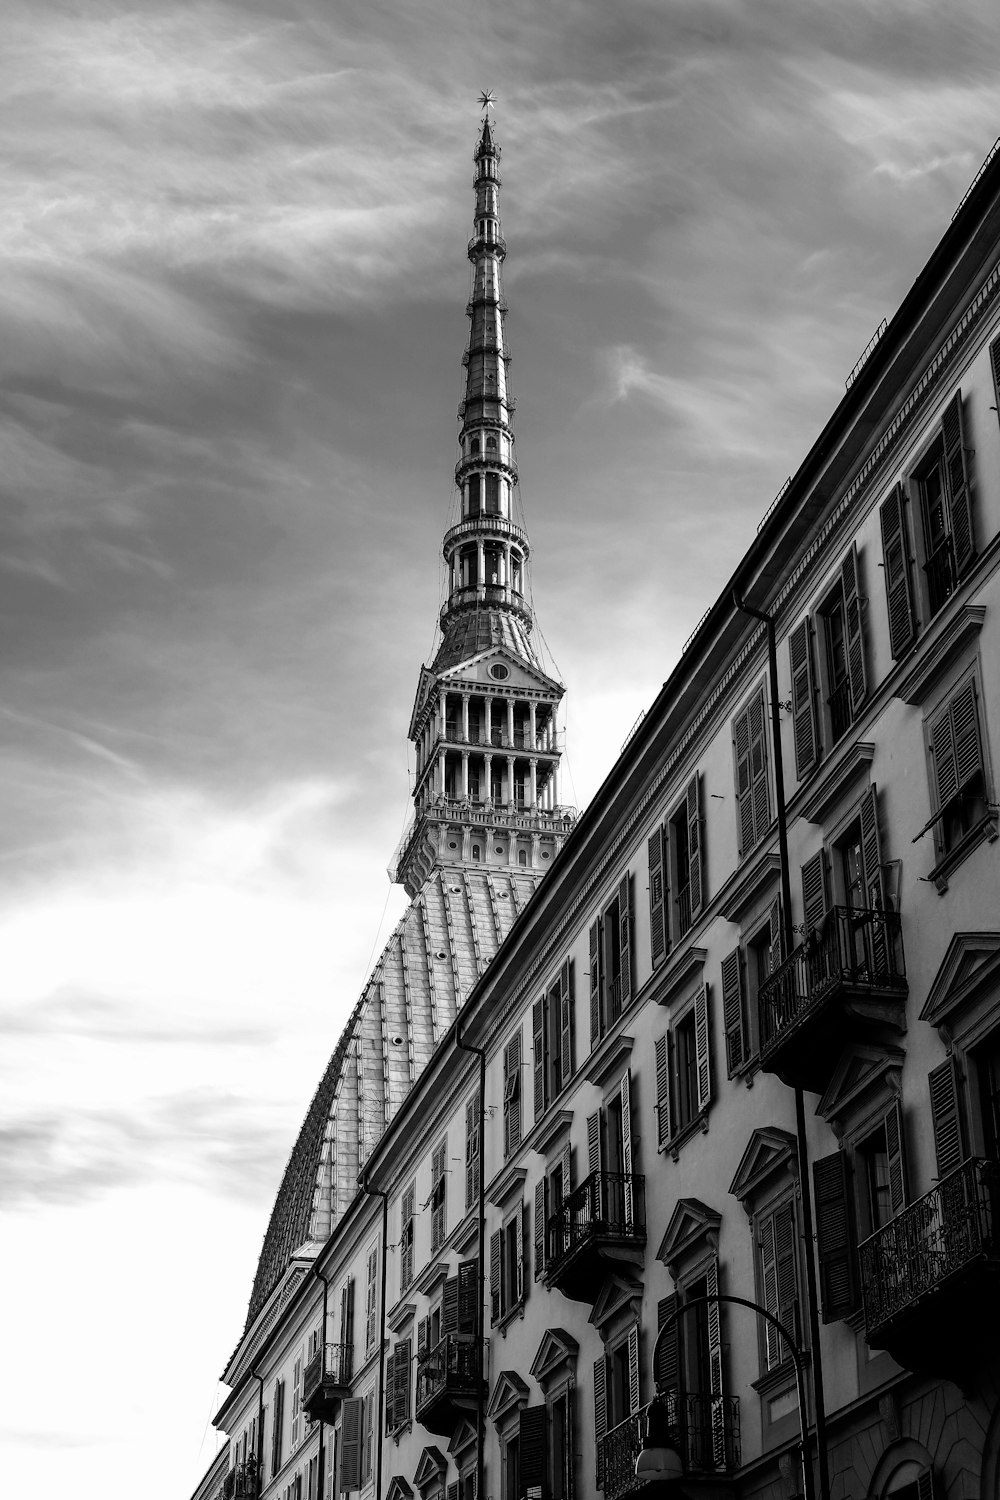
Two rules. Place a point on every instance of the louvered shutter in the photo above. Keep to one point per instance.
(596, 1029)
(633, 1370)
(715, 1384)
(401, 1391)
(566, 1060)
(835, 1237)
(800, 656)
(437, 1205)
(897, 1156)
(744, 781)
(449, 1306)
(512, 1094)
(540, 1234)
(703, 1048)
(871, 850)
(855, 642)
(350, 1444)
(995, 362)
(625, 938)
(815, 896)
(468, 1295)
(566, 1163)
(955, 745)
(734, 1019)
(594, 1143)
(600, 1415)
(532, 1448)
(472, 1163)
(787, 1279)
(946, 1115)
(296, 1432)
(390, 1391)
(277, 1420)
(657, 893)
(496, 1294)
(696, 866)
(538, 1055)
(423, 1337)
(347, 1313)
(668, 1357)
(662, 1090)
(960, 499)
(776, 947)
(451, 1492)
(520, 1236)
(896, 566)
(758, 768)
(626, 1107)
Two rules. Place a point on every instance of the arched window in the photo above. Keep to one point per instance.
(491, 445)
(477, 852)
(474, 446)
(522, 856)
(474, 494)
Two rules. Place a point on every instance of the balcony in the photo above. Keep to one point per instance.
(845, 984)
(704, 1430)
(447, 1384)
(327, 1380)
(241, 1481)
(601, 1223)
(932, 1271)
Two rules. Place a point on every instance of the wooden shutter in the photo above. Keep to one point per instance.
(734, 1017)
(815, 895)
(955, 744)
(468, 1295)
(662, 1090)
(703, 1048)
(959, 497)
(946, 1115)
(496, 1295)
(566, 1060)
(437, 1205)
(540, 1233)
(596, 1029)
(871, 851)
(423, 1337)
(600, 1414)
(633, 1369)
(519, 1237)
(277, 1421)
(594, 1143)
(390, 1387)
(668, 1358)
(625, 937)
(296, 1432)
(696, 866)
(567, 1170)
(896, 566)
(760, 795)
(897, 1155)
(350, 1444)
(538, 1055)
(776, 947)
(778, 1277)
(401, 1384)
(512, 1094)
(532, 1448)
(347, 1313)
(995, 362)
(626, 1106)
(800, 655)
(657, 898)
(713, 1316)
(855, 641)
(744, 783)
(451, 1492)
(835, 1238)
(449, 1306)
(472, 1161)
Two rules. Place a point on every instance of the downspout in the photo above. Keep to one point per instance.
(812, 1297)
(378, 1416)
(260, 1428)
(479, 1052)
(321, 1472)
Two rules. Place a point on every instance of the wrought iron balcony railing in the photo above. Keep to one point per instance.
(328, 1373)
(858, 948)
(945, 1232)
(450, 1368)
(704, 1430)
(241, 1481)
(606, 1205)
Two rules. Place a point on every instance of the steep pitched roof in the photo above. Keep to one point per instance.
(468, 633)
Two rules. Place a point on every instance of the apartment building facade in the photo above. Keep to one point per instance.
(774, 897)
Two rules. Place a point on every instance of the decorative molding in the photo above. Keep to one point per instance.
(687, 970)
(860, 1070)
(691, 1224)
(840, 776)
(431, 1466)
(769, 1151)
(609, 1058)
(971, 964)
(431, 1277)
(400, 1316)
(937, 651)
(618, 1293)
(553, 1128)
(508, 1186)
(462, 1438)
(750, 885)
(398, 1489)
(509, 1393)
(467, 1232)
(556, 1354)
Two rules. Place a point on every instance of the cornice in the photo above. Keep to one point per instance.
(608, 1058)
(506, 1186)
(551, 1128)
(941, 647)
(839, 775)
(750, 882)
(675, 977)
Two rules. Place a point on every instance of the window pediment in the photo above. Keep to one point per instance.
(556, 1355)
(553, 1128)
(505, 1190)
(969, 970)
(618, 1295)
(430, 1469)
(751, 886)
(400, 1316)
(509, 1393)
(769, 1151)
(463, 1438)
(845, 772)
(955, 633)
(686, 970)
(607, 1061)
(859, 1073)
(399, 1490)
(435, 1275)
(692, 1226)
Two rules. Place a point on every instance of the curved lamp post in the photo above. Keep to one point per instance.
(658, 1461)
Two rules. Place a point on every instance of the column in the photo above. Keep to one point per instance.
(481, 562)
(439, 773)
(510, 721)
(510, 778)
(533, 782)
(488, 772)
(532, 725)
(465, 717)
(554, 784)
(465, 775)
(488, 728)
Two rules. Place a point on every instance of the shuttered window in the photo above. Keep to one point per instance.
(778, 1277)
(659, 937)
(753, 796)
(277, 1426)
(611, 962)
(683, 1066)
(896, 566)
(946, 1115)
(371, 1300)
(473, 1158)
(507, 1266)
(552, 1027)
(533, 1455)
(835, 1237)
(407, 1230)
(512, 1095)
(350, 1444)
(734, 1011)
(438, 1196)
(804, 720)
(957, 764)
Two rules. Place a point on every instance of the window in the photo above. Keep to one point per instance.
(775, 1238)
(456, 1312)
(689, 1370)
(561, 1441)
(552, 1039)
(371, 1301)
(474, 492)
(408, 1219)
(347, 1318)
(683, 1071)
(296, 1432)
(551, 1192)
(743, 972)
(616, 1389)
(610, 1158)
(676, 873)
(367, 1426)
(397, 1387)
(437, 1199)
(512, 1095)
(611, 962)
(277, 1421)
(473, 1149)
(958, 775)
(507, 1279)
(492, 494)
(753, 793)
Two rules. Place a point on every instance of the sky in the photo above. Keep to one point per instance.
(232, 290)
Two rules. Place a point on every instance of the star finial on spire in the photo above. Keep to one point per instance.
(486, 101)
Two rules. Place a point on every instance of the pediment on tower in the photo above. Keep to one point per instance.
(425, 687)
(500, 668)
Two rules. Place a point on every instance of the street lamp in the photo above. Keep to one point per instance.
(659, 1466)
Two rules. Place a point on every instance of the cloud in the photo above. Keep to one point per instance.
(104, 1019)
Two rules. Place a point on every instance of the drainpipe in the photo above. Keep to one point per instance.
(812, 1297)
(260, 1428)
(321, 1471)
(479, 1052)
(378, 1416)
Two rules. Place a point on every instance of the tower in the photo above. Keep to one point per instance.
(484, 719)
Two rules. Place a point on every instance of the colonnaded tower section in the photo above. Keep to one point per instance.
(484, 720)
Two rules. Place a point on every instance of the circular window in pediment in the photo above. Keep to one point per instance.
(498, 671)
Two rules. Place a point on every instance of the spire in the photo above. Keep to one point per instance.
(484, 722)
